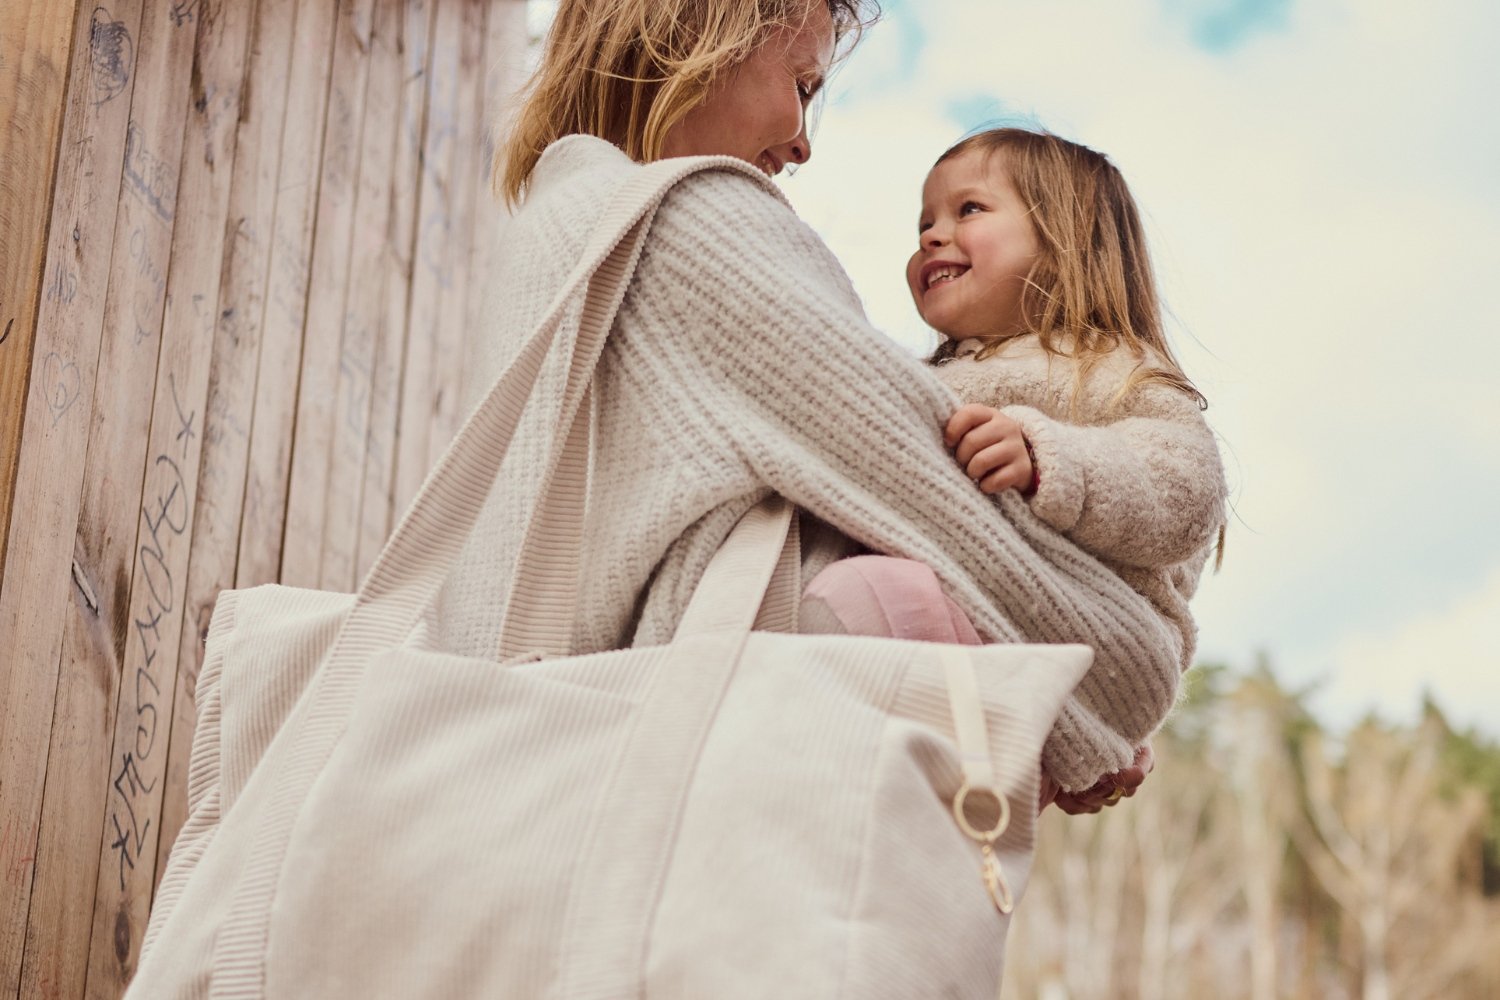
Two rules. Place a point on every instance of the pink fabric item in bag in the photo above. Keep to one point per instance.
(883, 596)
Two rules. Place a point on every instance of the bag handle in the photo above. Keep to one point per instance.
(411, 568)
(732, 594)
(414, 562)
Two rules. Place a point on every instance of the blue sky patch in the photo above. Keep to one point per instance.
(1223, 25)
(903, 16)
(977, 111)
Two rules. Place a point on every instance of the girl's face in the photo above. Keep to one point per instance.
(976, 245)
(757, 110)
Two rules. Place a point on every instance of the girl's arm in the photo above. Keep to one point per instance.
(769, 363)
(1144, 490)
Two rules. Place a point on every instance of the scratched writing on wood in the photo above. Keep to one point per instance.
(166, 514)
(148, 176)
(111, 55)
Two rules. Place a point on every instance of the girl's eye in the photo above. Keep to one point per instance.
(923, 226)
(804, 92)
(969, 206)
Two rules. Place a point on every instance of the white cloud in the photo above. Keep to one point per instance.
(1454, 652)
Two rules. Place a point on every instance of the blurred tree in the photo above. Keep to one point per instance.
(1471, 760)
(1385, 844)
(1268, 858)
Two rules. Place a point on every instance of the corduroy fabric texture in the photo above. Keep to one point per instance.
(619, 824)
(742, 363)
(1134, 478)
(731, 814)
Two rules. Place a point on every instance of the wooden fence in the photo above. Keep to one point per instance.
(237, 239)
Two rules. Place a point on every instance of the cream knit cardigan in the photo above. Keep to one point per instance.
(740, 363)
(1135, 479)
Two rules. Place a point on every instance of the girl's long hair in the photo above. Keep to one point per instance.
(1091, 290)
(628, 70)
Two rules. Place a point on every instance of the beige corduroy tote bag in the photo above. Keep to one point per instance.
(743, 812)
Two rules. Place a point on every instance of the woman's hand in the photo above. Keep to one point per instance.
(990, 448)
(1105, 792)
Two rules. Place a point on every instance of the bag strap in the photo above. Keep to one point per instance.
(411, 568)
(730, 597)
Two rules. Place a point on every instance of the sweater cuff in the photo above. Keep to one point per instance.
(1059, 497)
(1081, 749)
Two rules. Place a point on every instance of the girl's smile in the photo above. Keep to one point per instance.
(976, 249)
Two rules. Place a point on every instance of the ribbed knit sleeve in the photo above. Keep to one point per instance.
(1144, 490)
(774, 365)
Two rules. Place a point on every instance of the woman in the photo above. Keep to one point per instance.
(741, 363)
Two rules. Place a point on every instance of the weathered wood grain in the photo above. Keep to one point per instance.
(195, 138)
(431, 264)
(264, 516)
(38, 576)
(220, 492)
(463, 168)
(363, 308)
(35, 40)
(377, 503)
(504, 75)
(317, 392)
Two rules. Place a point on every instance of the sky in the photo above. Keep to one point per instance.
(1319, 180)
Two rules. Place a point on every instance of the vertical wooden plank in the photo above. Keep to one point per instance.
(377, 504)
(119, 456)
(38, 580)
(431, 268)
(463, 177)
(36, 38)
(264, 516)
(231, 382)
(505, 72)
(306, 503)
(363, 312)
(174, 445)
(36, 576)
(41, 578)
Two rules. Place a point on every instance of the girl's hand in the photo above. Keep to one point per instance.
(1106, 792)
(990, 448)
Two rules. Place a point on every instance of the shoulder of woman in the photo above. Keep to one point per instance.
(727, 194)
(577, 159)
(743, 222)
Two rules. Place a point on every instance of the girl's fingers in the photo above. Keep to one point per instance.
(998, 460)
(980, 438)
(965, 419)
(1001, 479)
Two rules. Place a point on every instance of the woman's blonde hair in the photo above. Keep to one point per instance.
(1091, 289)
(627, 71)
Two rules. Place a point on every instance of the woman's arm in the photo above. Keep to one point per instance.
(778, 369)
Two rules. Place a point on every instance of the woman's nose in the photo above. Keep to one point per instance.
(799, 150)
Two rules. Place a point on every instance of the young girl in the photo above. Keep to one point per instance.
(1032, 264)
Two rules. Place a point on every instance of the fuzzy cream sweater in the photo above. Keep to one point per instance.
(1136, 480)
(740, 363)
